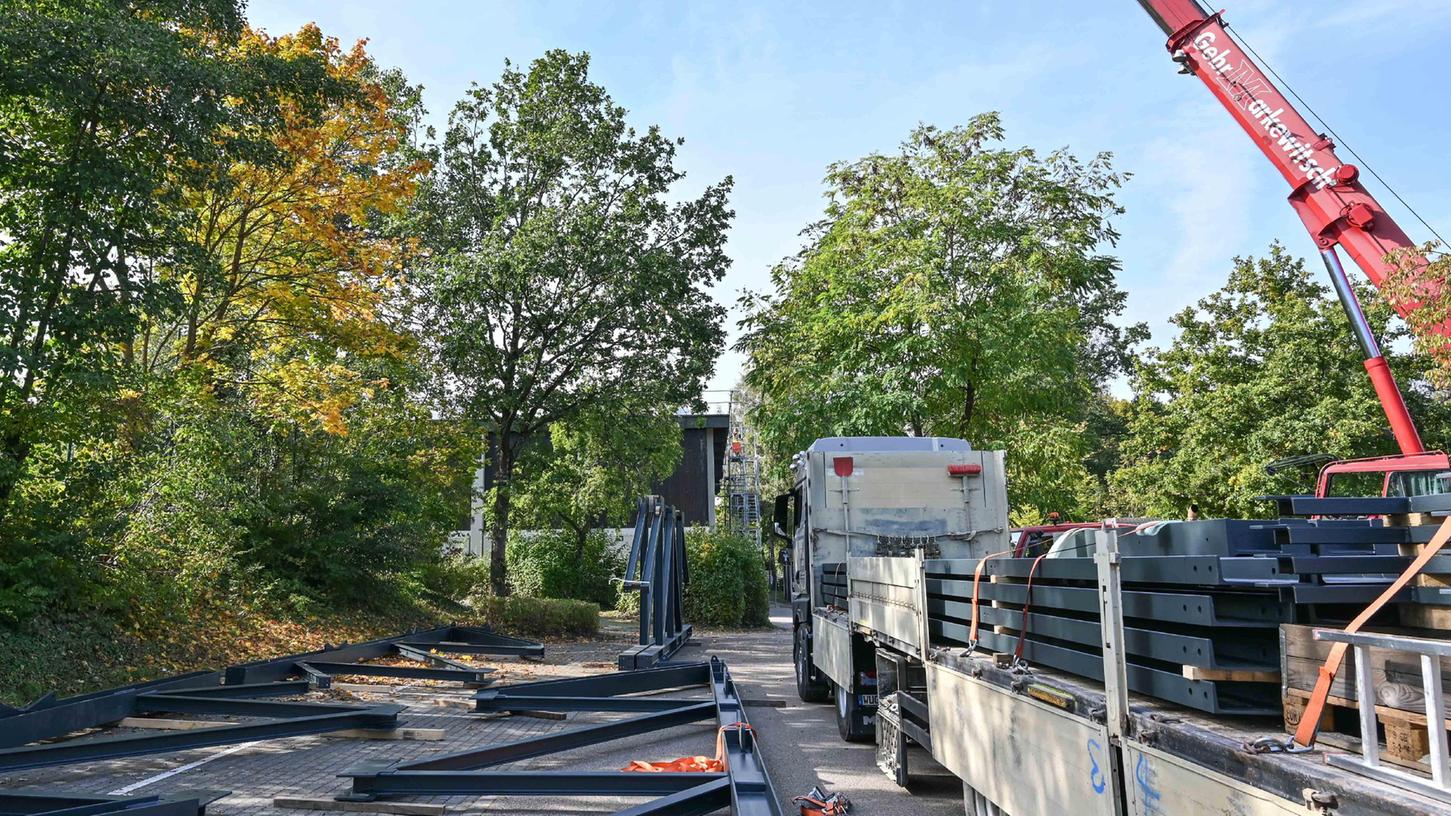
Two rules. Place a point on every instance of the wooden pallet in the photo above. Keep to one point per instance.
(1397, 676)
(1405, 738)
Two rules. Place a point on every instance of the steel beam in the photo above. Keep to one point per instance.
(48, 804)
(460, 639)
(1237, 699)
(643, 681)
(531, 702)
(1188, 570)
(48, 718)
(285, 688)
(1192, 608)
(1237, 653)
(186, 704)
(472, 675)
(423, 655)
(90, 750)
(565, 740)
(697, 801)
(524, 783)
(751, 791)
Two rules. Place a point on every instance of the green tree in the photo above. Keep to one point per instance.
(953, 288)
(594, 468)
(559, 273)
(107, 110)
(1262, 369)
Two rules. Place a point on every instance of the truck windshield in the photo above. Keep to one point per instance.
(1419, 483)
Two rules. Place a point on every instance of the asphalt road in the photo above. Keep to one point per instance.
(800, 741)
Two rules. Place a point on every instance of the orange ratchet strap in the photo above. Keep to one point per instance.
(1310, 720)
(1028, 605)
(976, 579)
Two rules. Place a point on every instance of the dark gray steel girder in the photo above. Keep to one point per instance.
(751, 791)
(88, 750)
(697, 801)
(563, 741)
(186, 704)
(1238, 699)
(662, 678)
(475, 675)
(1197, 609)
(526, 783)
(25, 804)
(1237, 653)
(531, 702)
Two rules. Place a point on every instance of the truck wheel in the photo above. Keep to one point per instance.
(810, 691)
(975, 804)
(853, 722)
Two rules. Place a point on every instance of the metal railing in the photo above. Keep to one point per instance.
(1369, 761)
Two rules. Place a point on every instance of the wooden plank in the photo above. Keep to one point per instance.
(409, 734)
(1233, 675)
(162, 724)
(403, 734)
(399, 808)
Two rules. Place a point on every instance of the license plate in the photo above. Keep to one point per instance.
(866, 699)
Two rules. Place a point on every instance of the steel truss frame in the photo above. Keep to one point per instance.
(241, 691)
(656, 567)
(744, 787)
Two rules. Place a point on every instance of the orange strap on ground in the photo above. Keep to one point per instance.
(1310, 720)
(692, 764)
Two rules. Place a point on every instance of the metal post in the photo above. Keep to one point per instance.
(1110, 596)
(1365, 698)
(1435, 716)
(1115, 657)
(1381, 378)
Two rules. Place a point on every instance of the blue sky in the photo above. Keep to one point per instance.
(772, 92)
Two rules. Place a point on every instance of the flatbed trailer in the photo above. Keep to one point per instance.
(1025, 739)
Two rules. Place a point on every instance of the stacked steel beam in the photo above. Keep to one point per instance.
(1203, 600)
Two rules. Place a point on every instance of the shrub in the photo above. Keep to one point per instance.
(727, 580)
(539, 617)
(556, 564)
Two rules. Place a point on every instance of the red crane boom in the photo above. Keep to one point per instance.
(1326, 193)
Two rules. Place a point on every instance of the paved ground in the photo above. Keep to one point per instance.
(799, 740)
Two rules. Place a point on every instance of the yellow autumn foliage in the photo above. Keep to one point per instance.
(294, 273)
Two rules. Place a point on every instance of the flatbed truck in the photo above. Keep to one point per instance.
(870, 523)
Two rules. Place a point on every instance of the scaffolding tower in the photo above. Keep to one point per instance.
(741, 484)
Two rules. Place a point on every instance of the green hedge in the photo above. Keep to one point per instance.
(539, 617)
(554, 564)
(727, 580)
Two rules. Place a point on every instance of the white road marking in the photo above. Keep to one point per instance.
(178, 770)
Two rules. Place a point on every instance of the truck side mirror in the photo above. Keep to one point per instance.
(781, 517)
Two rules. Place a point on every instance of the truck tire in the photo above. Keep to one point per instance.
(852, 721)
(809, 690)
(975, 804)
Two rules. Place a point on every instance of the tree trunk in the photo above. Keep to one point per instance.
(499, 524)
